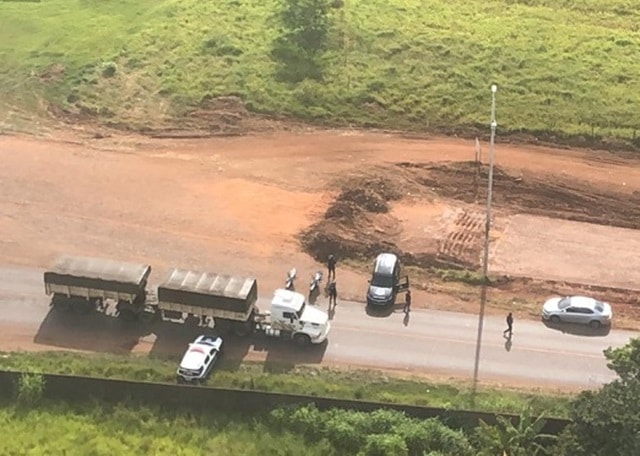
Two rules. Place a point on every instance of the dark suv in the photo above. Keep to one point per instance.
(386, 281)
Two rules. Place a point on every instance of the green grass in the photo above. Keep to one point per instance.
(563, 67)
(349, 384)
(101, 429)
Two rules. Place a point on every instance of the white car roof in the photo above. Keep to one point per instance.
(583, 301)
(197, 352)
(194, 357)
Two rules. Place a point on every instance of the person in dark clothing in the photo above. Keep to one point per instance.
(509, 325)
(407, 302)
(331, 266)
(333, 294)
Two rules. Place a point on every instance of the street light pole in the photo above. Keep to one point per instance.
(485, 262)
(487, 228)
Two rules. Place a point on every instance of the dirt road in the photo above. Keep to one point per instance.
(241, 205)
(424, 342)
(260, 204)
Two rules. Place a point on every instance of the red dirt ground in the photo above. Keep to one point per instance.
(238, 204)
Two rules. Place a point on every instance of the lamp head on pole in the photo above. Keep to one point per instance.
(494, 88)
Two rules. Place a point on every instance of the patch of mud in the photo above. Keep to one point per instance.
(556, 197)
(358, 225)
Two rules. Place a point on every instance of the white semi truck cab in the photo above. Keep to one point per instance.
(290, 316)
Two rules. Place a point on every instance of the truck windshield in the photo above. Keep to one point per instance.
(299, 313)
(382, 281)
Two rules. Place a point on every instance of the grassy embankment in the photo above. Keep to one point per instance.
(350, 384)
(563, 67)
(100, 429)
(41, 427)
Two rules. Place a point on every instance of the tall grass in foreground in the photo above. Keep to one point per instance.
(563, 67)
(99, 429)
(102, 429)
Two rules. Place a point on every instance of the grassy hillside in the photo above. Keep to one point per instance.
(563, 67)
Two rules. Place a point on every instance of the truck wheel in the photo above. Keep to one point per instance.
(301, 340)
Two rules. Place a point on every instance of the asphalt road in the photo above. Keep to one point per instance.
(427, 341)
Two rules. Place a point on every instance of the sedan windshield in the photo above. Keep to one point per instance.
(382, 281)
(599, 306)
(564, 303)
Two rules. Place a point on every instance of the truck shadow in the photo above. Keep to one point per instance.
(93, 332)
(102, 333)
(578, 330)
(172, 339)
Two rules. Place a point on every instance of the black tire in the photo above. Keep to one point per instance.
(595, 324)
(301, 340)
(554, 319)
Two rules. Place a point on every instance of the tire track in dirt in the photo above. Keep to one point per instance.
(462, 242)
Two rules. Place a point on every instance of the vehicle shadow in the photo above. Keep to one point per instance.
(384, 311)
(172, 339)
(103, 333)
(92, 332)
(578, 330)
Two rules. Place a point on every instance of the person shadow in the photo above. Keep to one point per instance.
(407, 317)
(332, 312)
(508, 342)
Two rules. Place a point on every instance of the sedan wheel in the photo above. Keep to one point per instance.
(595, 324)
(555, 319)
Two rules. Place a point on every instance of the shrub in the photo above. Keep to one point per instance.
(30, 389)
(109, 69)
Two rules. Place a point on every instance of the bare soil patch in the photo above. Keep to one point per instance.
(238, 203)
(555, 196)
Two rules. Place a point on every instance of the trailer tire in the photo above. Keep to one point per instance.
(301, 340)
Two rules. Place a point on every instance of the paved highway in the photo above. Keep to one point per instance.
(427, 341)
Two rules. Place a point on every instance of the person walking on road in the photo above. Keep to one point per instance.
(333, 294)
(331, 266)
(509, 325)
(407, 302)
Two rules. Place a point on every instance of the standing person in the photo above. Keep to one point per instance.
(333, 294)
(509, 325)
(407, 302)
(331, 266)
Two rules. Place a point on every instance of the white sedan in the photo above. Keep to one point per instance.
(199, 359)
(577, 309)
